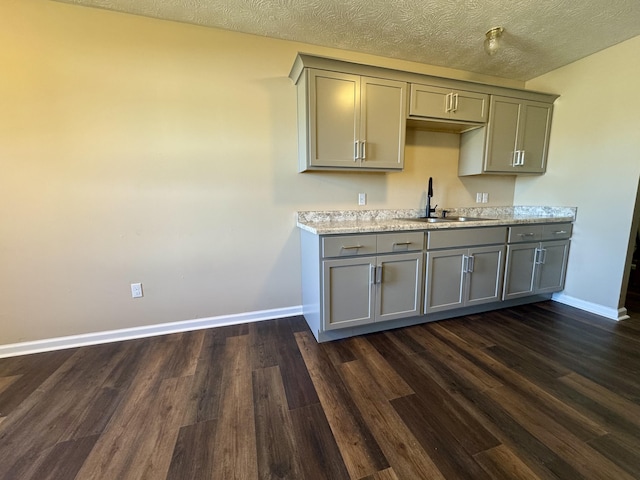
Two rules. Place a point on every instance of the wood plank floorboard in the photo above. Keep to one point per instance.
(541, 391)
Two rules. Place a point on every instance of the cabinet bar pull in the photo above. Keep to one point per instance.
(351, 247)
(363, 150)
(465, 264)
(454, 106)
(522, 152)
(559, 232)
(356, 150)
(530, 234)
(447, 102)
(543, 255)
(398, 244)
(470, 263)
(372, 274)
(379, 274)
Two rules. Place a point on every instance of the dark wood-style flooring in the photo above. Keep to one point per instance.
(539, 391)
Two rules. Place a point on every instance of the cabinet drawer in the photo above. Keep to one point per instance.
(556, 231)
(536, 233)
(348, 245)
(466, 237)
(400, 242)
(525, 233)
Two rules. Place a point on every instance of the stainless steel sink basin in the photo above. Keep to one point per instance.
(447, 219)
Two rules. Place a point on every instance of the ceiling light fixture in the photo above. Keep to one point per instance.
(492, 42)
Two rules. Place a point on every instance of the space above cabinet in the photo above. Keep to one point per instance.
(353, 117)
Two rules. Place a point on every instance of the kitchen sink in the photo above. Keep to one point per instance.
(447, 219)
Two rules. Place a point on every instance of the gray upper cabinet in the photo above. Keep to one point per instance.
(443, 103)
(350, 122)
(353, 117)
(516, 140)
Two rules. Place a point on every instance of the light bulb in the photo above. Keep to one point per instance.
(492, 42)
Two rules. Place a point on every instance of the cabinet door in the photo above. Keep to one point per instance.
(483, 283)
(334, 119)
(444, 103)
(552, 266)
(502, 134)
(348, 292)
(470, 107)
(399, 287)
(444, 283)
(383, 123)
(535, 126)
(428, 101)
(519, 270)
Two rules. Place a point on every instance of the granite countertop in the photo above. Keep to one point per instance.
(371, 221)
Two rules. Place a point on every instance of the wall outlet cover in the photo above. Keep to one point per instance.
(136, 290)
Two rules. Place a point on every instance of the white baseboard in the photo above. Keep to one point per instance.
(612, 313)
(60, 343)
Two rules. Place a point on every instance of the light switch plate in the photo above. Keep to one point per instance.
(362, 199)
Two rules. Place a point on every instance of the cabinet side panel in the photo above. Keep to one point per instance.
(310, 266)
(472, 152)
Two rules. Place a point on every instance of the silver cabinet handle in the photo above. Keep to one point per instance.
(372, 274)
(514, 159)
(465, 264)
(447, 102)
(454, 102)
(470, 263)
(356, 150)
(379, 274)
(560, 232)
(522, 158)
(351, 247)
(399, 244)
(541, 256)
(363, 150)
(530, 234)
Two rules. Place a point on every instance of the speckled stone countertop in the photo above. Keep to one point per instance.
(371, 221)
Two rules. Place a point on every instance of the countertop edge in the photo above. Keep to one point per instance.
(354, 226)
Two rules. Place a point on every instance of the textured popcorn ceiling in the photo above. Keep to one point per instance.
(540, 35)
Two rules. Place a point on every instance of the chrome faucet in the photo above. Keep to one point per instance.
(430, 210)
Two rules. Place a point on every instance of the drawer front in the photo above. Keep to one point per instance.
(400, 242)
(348, 245)
(466, 237)
(556, 231)
(525, 233)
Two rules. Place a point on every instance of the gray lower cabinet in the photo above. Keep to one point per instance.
(362, 290)
(463, 277)
(370, 278)
(536, 267)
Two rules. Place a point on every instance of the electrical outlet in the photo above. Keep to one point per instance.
(362, 199)
(485, 197)
(136, 290)
(479, 197)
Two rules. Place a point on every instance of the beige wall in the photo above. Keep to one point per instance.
(138, 150)
(594, 164)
